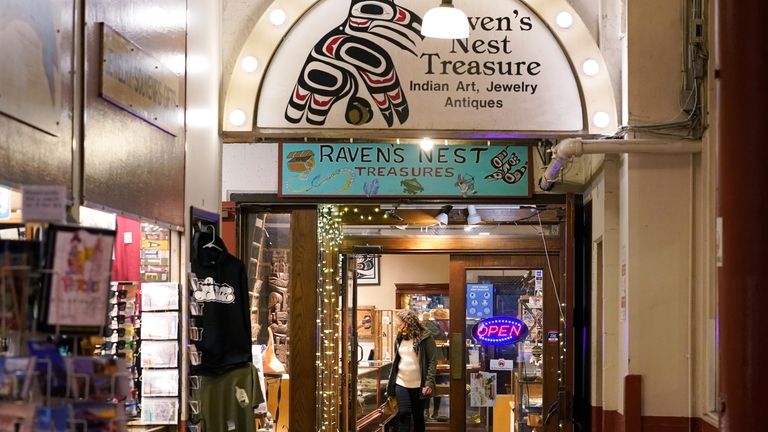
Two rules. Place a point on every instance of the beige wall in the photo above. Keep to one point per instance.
(403, 268)
(604, 196)
(659, 225)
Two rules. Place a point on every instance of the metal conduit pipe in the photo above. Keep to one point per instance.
(571, 147)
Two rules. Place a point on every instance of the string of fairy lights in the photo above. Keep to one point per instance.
(328, 357)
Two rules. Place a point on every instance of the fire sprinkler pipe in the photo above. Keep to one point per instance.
(571, 147)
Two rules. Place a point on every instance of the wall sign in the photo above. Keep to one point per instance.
(43, 203)
(139, 83)
(395, 170)
(499, 331)
(363, 63)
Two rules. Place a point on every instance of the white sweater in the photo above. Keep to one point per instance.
(408, 371)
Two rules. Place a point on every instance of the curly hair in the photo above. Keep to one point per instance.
(412, 327)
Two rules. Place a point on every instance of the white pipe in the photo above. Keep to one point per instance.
(571, 147)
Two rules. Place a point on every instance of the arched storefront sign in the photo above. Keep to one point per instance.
(529, 68)
(499, 331)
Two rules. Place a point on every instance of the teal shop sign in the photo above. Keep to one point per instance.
(397, 170)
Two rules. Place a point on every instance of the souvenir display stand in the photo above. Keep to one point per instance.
(55, 298)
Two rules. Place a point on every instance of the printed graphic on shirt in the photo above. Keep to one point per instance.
(208, 290)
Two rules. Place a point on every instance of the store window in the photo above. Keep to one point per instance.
(267, 251)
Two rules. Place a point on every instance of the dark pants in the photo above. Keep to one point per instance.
(410, 409)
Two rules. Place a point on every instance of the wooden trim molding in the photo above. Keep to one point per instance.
(614, 421)
(633, 408)
(597, 419)
(701, 425)
(302, 330)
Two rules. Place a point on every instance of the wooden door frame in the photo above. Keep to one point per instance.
(485, 253)
(459, 265)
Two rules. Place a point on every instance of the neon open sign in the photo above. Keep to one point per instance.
(499, 331)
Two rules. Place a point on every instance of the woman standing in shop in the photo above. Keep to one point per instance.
(412, 379)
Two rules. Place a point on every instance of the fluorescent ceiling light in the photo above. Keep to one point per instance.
(445, 22)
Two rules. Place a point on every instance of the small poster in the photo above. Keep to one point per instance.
(479, 300)
(155, 253)
(43, 203)
(80, 276)
(482, 389)
(502, 364)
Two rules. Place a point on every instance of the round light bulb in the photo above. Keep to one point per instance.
(564, 20)
(590, 67)
(277, 17)
(237, 117)
(249, 64)
(601, 119)
(426, 144)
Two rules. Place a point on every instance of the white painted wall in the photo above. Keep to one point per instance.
(249, 168)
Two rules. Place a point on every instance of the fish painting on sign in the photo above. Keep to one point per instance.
(368, 269)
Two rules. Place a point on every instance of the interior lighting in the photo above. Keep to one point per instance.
(445, 22)
(590, 67)
(277, 17)
(426, 144)
(564, 20)
(473, 218)
(249, 64)
(442, 217)
(237, 117)
(601, 119)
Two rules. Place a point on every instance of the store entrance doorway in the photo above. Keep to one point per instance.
(479, 387)
(510, 369)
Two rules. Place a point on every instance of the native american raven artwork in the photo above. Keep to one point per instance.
(351, 56)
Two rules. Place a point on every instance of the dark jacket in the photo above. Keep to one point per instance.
(427, 361)
(223, 289)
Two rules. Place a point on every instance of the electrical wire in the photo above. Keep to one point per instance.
(549, 267)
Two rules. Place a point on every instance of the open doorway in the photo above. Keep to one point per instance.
(454, 277)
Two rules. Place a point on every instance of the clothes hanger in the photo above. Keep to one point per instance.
(212, 230)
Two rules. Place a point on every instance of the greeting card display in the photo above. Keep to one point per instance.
(78, 276)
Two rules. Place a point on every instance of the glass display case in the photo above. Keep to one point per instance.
(372, 410)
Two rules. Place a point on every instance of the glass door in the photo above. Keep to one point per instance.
(504, 359)
(508, 323)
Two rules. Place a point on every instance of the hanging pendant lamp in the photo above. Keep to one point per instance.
(445, 22)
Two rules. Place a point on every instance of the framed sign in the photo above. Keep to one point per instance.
(368, 269)
(365, 322)
(403, 170)
(79, 276)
